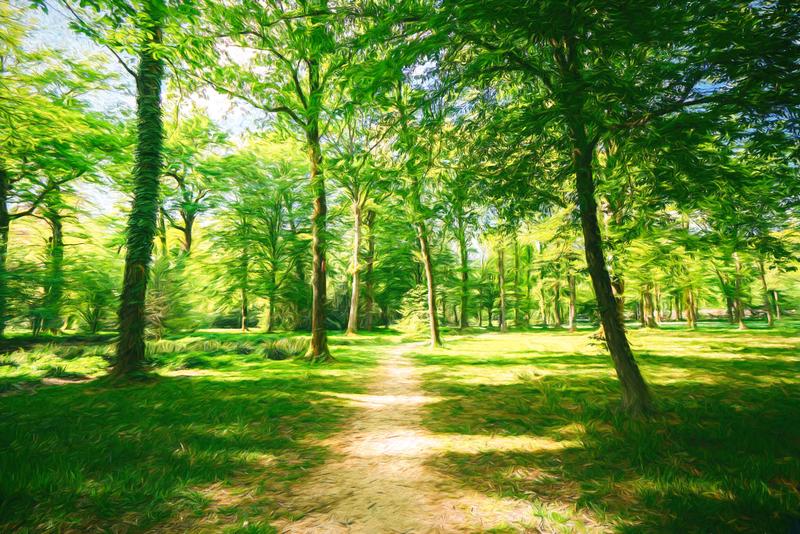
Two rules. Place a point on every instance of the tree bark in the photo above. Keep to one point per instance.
(142, 220)
(767, 303)
(352, 320)
(517, 320)
(737, 296)
(777, 304)
(557, 303)
(5, 225)
(244, 309)
(462, 250)
(691, 317)
(648, 312)
(636, 398)
(369, 289)
(528, 309)
(572, 298)
(318, 349)
(54, 287)
(501, 282)
(433, 320)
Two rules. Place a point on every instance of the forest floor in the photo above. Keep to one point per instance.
(515, 432)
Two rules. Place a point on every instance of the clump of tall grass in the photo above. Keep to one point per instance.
(285, 348)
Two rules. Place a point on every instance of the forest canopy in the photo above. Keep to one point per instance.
(321, 166)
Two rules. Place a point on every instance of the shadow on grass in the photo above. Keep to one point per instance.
(172, 451)
(718, 457)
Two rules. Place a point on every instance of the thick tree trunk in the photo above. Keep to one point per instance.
(635, 394)
(648, 312)
(352, 320)
(369, 289)
(737, 296)
(144, 212)
(318, 349)
(5, 225)
(433, 320)
(462, 250)
(767, 303)
(501, 282)
(572, 298)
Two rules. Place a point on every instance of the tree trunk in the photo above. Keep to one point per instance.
(162, 232)
(648, 312)
(737, 296)
(691, 317)
(54, 287)
(318, 350)
(557, 303)
(501, 282)
(244, 309)
(352, 320)
(542, 305)
(368, 282)
(528, 310)
(572, 297)
(517, 320)
(422, 237)
(144, 211)
(188, 227)
(5, 224)
(777, 304)
(635, 394)
(462, 250)
(767, 303)
(657, 304)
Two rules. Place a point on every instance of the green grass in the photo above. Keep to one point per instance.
(720, 456)
(210, 444)
(215, 441)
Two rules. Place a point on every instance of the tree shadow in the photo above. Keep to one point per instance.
(91, 456)
(719, 456)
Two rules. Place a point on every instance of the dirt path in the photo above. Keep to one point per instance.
(378, 480)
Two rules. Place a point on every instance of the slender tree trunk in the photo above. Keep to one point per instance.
(462, 250)
(777, 304)
(572, 298)
(422, 237)
(489, 316)
(557, 303)
(244, 308)
(480, 316)
(517, 320)
(691, 317)
(54, 287)
(635, 394)
(501, 281)
(542, 305)
(188, 227)
(648, 312)
(368, 282)
(767, 303)
(737, 296)
(352, 320)
(528, 309)
(657, 304)
(318, 349)
(144, 212)
(5, 225)
(162, 232)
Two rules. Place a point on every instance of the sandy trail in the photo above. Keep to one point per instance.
(378, 480)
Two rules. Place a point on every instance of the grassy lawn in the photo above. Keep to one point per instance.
(721, 456)
(210, 444)
(216, 439)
